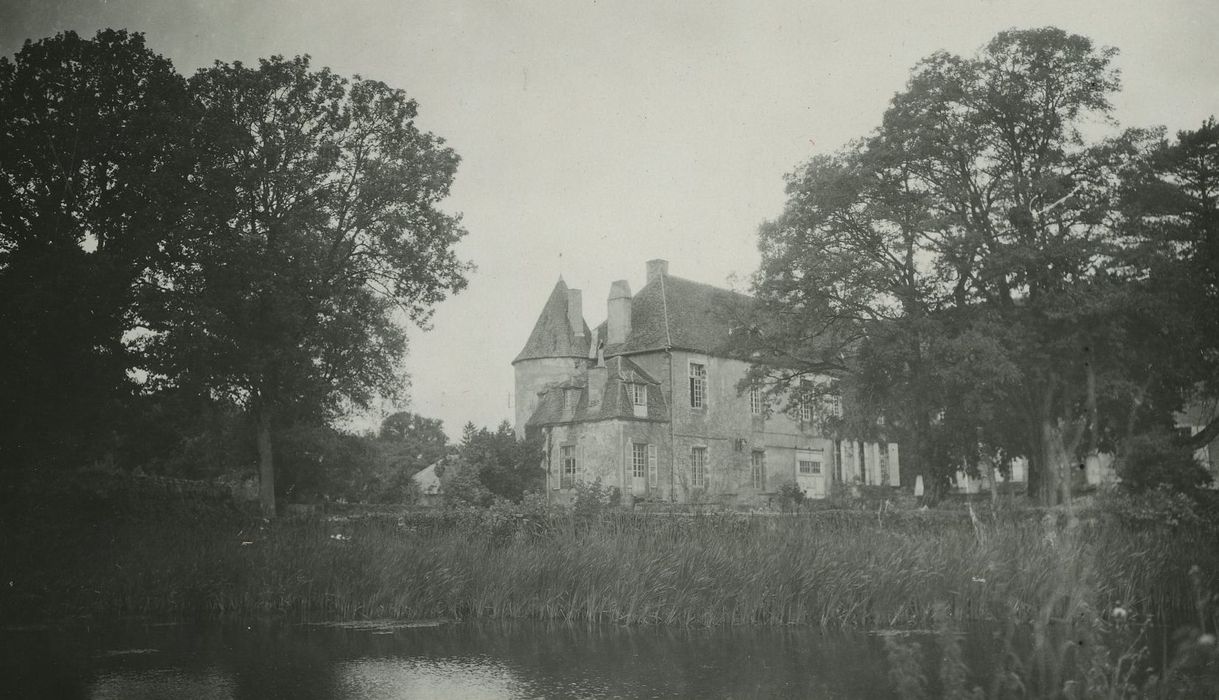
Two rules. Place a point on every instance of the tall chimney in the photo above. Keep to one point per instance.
(618, 325)
(575, 312)
(656, 268)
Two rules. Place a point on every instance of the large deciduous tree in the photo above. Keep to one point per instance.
(963, 259)
(1172, 207)
(94, 166)
(323, 233)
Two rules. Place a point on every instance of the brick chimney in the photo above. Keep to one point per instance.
(618, 325)
(656, 268)
(575, 312)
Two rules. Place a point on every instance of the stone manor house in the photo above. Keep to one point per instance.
(648, 402)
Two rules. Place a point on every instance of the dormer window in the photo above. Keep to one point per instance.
(639, 399)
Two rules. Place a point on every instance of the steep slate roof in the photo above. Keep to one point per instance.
(700, 317)
(616, 402)
(552, 336)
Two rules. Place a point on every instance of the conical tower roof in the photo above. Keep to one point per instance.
(552, 335)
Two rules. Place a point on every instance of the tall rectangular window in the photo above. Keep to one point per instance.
(639, 460)
(757, 462)
(698, 385)
(698, 467)
(806, 411)
(567, 463)
(863, 463)
(755, 400)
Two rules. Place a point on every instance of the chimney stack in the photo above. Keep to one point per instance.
(618, 325)
(575, 312)
(656, 268)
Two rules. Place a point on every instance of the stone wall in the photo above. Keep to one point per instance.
(532, 376)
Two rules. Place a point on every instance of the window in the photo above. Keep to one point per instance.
(757, 462)
(804, 409)
(755, 400)
(836, 406)
(698, 385)
(567, 463)
(639, 460)
(639, 398)
(810, 466)
(863, 463)
(571, 397)
(698, 467)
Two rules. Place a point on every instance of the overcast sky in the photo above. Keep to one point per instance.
(597, 135)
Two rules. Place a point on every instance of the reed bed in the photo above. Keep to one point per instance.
(829, 568)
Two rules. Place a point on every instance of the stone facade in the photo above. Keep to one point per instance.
(648, 403)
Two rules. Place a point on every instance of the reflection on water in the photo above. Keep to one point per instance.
(469, 660)
(162, 683)
(424, 678)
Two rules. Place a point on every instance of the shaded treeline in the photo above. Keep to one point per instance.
(195, 270)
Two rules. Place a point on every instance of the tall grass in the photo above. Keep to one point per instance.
(830, 569)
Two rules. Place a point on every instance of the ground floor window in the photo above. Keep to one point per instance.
(698, 467)
(567, 461)
(809, 466)
(639, 460)
(757, 462)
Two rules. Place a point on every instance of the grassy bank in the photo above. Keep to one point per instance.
(829, 568)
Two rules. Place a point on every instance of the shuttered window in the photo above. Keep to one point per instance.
(653, 471)
(698, 467)
(639, 460)
(567, 464)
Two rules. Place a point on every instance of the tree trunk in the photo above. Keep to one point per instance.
(266, 463)
(1051, 470)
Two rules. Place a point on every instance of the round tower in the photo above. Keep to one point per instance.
(557, 350)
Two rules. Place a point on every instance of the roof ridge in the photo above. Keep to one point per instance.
(710, 286)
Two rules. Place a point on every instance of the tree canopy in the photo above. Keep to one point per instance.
(323, 230)
(969, 270)
(94, 192)
(255, 236)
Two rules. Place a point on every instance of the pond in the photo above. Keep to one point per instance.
(278, 659)
(469, 660)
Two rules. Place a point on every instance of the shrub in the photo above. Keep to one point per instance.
(592, 499)
(462, 487)
(1155, 460)
(790, 496)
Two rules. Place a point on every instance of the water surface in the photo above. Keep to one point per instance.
(468, 660)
